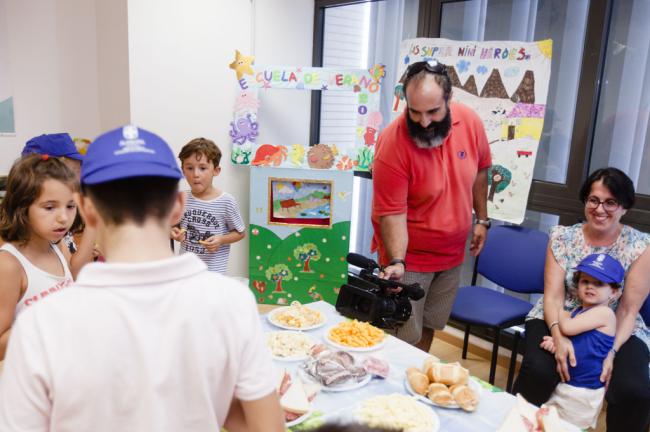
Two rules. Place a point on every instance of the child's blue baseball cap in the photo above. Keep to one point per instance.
(603, 267)
(56, 145)
(128, 152)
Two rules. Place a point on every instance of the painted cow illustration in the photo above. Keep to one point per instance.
(288, 204)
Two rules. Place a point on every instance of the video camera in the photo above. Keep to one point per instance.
(366, 297)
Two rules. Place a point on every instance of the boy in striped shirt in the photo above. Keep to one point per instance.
(211, 221)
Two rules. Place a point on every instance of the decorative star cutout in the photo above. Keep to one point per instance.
(324, 87)
(266, 85)
(242, 64)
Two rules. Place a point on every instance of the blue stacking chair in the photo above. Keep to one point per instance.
(513, 257)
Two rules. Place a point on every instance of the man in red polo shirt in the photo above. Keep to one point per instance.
(430, 170)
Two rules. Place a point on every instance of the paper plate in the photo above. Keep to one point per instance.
(300, 419)
(336, 388)
(471, 384)
(352, 349)
(302, 357)
(434, 420)
(271, 317)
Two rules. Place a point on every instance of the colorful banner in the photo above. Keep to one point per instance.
(245, 129)
(299, 234)
(506, 83)
(6, 94)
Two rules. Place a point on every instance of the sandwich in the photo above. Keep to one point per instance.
(295, 397)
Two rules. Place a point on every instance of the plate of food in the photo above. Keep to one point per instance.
(290, 419)
(397, 411)
(295, 398)
(335, 371)
(355, 336)
(296, 316)
(350, 385)
(443, 388)
(289, 345)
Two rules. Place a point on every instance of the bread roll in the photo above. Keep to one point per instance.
(429, 361)
(411, 370)
(418, 382)
(449, 374)
(464, 396)
(439, 394)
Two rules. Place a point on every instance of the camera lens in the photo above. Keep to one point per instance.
(363, 305)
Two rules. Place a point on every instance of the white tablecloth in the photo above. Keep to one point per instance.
(489, 415)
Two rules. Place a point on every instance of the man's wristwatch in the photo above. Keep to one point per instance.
(487, 223)
(397, 261)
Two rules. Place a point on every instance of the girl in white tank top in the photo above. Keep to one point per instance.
(39, 282)
(36, 212)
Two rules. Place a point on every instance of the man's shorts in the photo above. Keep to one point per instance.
(434, 308)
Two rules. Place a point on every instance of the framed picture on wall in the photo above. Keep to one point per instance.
(299, 202)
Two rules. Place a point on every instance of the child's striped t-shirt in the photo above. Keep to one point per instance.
(203, 219)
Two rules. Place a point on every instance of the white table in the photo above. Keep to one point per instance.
(489, 415)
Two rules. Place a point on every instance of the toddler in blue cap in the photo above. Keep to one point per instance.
(146, 340)
(591, 328)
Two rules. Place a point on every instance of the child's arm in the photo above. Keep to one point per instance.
(264, 414)
(598, 317)
(235, 224)
(212, 244)
(178, 234)
(85, 251)
(11, 283)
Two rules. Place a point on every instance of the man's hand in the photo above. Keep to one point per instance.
(178, 234)
(547, 344)
(478, 239)
(393, 272)
(211, 244)
(563, 351)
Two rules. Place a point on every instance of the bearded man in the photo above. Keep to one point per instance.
(430, 170)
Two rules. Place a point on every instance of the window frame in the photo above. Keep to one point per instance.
(545, 197)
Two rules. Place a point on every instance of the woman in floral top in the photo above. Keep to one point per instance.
(607, 194)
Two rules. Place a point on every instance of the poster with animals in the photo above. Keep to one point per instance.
(341, 156)
(506, 83)
(299, 234)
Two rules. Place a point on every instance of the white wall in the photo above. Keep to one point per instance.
(181, 86)
(84, 67)
(112, 63)
(53, 59)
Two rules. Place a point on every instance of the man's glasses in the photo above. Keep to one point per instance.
(431, 66)
(609, 205)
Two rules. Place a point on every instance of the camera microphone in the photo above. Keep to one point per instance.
(361, 261)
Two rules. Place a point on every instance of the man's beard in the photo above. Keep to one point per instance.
(431, 136)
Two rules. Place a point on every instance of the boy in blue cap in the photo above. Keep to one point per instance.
(143, 341)
(61, 146)
(591, 328)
